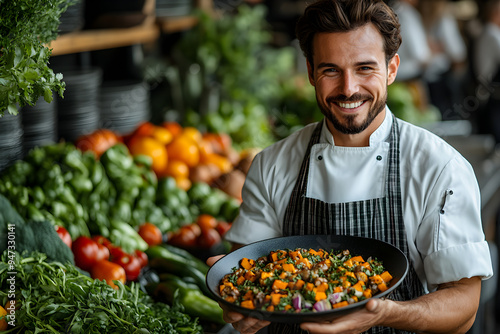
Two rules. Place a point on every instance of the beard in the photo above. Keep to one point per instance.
(347, 124)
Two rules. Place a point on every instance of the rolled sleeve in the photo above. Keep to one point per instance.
(451, 240)
(461, 261)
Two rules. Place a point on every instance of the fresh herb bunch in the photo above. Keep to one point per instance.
(25, 27)
(57, 298)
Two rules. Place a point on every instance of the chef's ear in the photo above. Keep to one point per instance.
(392, 69)
(310, 73)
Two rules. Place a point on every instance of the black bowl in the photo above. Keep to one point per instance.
(392, 259)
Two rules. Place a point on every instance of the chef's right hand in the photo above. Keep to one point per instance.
(243, 324)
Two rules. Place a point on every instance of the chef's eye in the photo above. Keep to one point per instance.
(330, 71)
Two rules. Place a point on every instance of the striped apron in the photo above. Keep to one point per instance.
(379, 218)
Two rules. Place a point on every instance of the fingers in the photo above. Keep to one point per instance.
(244, 325)
(372, 305)
(211, 260)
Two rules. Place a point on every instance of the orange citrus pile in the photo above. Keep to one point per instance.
(183, 153)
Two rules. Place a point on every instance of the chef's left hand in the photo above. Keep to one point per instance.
(352, 323)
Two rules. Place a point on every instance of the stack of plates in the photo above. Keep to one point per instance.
(173, 7)
(11, 140)
(78, 111)
(39, 124)
(73, 18)
(123, 105)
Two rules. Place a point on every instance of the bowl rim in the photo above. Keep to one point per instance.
(288, 317)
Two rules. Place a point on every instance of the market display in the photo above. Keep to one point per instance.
(103, 208)
(303, 280)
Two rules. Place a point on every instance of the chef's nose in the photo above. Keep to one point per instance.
(348, 84)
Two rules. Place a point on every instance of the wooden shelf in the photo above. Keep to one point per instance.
(90, 40)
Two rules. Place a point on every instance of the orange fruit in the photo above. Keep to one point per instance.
(205, 148)
(144, 129)
(3, 322)
(174, 127)
(185, 150)
(176, 169)
(162, 135)
(222, 163)
(152, 148)
(183, 182)
(193, 133)
(206, 221)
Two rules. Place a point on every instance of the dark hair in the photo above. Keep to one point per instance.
(345, 16)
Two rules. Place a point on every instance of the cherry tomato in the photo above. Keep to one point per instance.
(193, 227)
(102, 240)
(115, 252)
(85, 251)
(103, 252)
(208, 238)
(142, 257)
(108, 271)
(184, 238)
(64, 235)
(131, 265)
(151, 234)
(222, 227)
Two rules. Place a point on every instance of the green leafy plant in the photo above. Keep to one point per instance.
(26, 26)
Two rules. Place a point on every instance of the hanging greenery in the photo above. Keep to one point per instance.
(26, 26)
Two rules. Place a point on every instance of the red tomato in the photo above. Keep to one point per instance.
(103, 252)
(64, 235)
(193, 227)
(151, 234)
(208, 238)
(222, 227)
(184, 238)
(108, 271)
(142, 257)
(131, 265)
(85, 251)
(102, 240)
(115, 252)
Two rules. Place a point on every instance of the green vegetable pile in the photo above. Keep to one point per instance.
(25, 26)
(57, 298)
(15, 233)
(61, 184)
(109, 197)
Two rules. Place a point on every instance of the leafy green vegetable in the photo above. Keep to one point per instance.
(25, 26)
(41, 236)
(56, 298)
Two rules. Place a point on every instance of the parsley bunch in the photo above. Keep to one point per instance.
(25, 27)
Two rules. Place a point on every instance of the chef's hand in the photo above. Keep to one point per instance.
(243, 324)
(355, 322)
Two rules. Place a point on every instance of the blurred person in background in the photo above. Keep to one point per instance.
(487, 65)
(444, 71)
(414, 51)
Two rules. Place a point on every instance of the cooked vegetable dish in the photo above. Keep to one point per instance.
(303, 280)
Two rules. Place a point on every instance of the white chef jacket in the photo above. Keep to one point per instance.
(444, 232)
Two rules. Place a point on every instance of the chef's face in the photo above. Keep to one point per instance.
(350, 75)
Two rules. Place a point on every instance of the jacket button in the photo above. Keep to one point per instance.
(379, 157)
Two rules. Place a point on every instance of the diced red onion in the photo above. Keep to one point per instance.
(334, 298)
(297, 301)
(322, 305)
